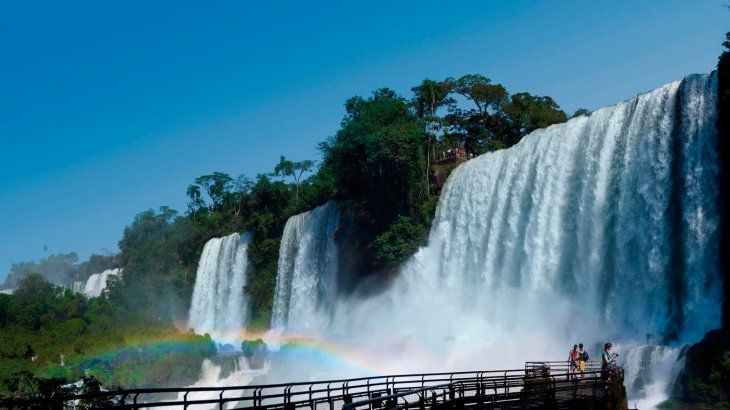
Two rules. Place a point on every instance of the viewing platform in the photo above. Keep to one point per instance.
(537, 385)
(453, 155)
(447, 161)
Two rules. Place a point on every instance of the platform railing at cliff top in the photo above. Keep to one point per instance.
(392, 391)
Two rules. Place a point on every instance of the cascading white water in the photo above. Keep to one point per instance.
(306, 281)
(601, 228)
(78, 286)
(613, 215)
(219, 306)
(212, 374)
(649, 371)
(97, 282)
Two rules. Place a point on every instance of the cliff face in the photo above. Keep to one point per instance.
(358, 270)
(706, 375)
(616, 398)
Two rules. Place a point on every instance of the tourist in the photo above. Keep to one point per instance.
(608, 359)
(608, 363)
(573, 359)
(582, 359)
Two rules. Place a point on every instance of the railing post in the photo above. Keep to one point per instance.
(506, 387)
(257, 403)
(593, 385)
(368, 395)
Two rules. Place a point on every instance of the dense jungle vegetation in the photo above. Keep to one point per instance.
(380, 165)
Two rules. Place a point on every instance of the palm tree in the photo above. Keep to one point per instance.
(429, 96)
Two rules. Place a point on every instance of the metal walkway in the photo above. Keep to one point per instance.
(537, 385)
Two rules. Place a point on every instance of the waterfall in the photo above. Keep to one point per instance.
(96, 284)
(78, 286)
(611, 217)
(306, 282)
(221, 371)
(601, 228)
(649, 371)
(219, 306)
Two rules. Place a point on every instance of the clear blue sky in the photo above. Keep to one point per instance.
(110, 108)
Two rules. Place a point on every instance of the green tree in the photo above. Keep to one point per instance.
(487, 97)
(476, 127)
(428, 97)
(431, 95)
(401, 240)
(294, 170)
(195, 202)
(216, 186)
(378, 159)
(242, 187)
(526, 112)
(581, 111)
(35, 302)
(378, 155)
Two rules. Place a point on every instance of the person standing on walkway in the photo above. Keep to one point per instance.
(608, 359)
(608, 363)
(573, 359)
(582, 359)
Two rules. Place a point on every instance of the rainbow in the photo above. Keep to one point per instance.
(324, 354)
(327, 353)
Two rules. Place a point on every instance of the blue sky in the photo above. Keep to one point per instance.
(111, 108)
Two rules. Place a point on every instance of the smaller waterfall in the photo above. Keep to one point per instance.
(306, 281)
(97, 282)
(78, 286)
(221, 371)
(649, 370)
(219, 368)
(219, 306)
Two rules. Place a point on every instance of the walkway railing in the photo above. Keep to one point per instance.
(539, 383)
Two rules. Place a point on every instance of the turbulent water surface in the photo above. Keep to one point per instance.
(219, 306)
